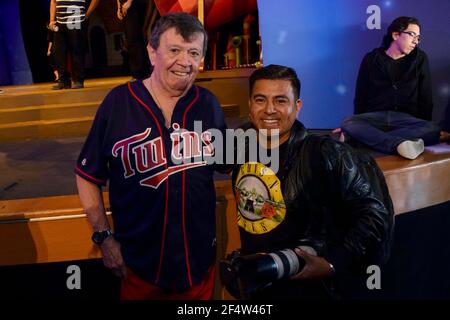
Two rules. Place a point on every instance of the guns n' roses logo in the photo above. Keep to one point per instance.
(260, 203)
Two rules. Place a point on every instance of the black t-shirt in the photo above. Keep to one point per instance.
(265, 223)
(282, 151)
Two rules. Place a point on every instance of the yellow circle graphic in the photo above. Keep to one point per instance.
(259, 199)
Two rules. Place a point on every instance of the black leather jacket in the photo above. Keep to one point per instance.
(334, 196)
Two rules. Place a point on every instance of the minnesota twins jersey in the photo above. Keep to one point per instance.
(163, 210)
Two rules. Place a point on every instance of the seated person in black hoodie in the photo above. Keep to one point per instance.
(393, 99)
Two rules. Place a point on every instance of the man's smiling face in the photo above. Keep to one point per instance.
(176, 61)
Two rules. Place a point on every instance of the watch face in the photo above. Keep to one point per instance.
(99, 237)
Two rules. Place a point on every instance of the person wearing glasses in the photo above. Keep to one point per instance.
(393, 100)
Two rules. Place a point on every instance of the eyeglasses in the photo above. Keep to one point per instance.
(413, 35)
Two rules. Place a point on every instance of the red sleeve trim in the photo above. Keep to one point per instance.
(89, 177)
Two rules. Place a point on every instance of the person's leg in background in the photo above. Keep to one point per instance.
(52, 63)
(445, 124)
(371, 129)
(392, 132)
(411, 128)
(136, 40)
(60, 46)
(77, 46)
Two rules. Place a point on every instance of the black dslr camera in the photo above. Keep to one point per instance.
(244, 275)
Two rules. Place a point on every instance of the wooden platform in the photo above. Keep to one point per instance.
(419, 183)
(54, 229)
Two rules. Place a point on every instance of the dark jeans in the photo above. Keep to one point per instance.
(69, 41)
(136, 40)
(385, 130)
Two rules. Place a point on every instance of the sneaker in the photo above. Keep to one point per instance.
(77, 85)
(411, 149)
(61, 85)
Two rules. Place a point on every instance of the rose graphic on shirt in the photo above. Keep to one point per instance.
(268, 211)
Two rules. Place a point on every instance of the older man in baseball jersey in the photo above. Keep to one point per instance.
(161, 188)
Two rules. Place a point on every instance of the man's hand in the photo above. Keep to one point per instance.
(338, 131)
(119, 13)
(315, 267)
(112, 257)
(444, 136)
(92, 6)
(51, 25)
(123, 9)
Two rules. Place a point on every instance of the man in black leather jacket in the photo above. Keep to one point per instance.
(324, 192)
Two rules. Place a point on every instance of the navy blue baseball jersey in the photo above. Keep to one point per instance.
(163, 210)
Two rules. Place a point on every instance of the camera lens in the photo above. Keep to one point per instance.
(288, 263)
(258, 266)
(245, 274)
(271, 266)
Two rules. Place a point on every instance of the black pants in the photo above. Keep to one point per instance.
(69, 41)
(136, 40)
